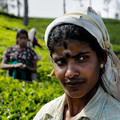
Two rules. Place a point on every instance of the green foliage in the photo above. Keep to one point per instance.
(40, 24)
(116, 49)
(19, 99)
(113, 27)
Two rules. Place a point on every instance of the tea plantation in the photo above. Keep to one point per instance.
(20, 100)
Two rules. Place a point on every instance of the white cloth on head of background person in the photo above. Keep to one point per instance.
(31, 35)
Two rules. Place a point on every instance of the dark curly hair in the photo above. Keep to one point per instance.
(71, 32)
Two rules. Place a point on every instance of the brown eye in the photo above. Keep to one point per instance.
(23, 37)
(83, 58)
(60, 62)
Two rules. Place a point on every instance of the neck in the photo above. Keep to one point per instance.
(20, 47)
(75, 105)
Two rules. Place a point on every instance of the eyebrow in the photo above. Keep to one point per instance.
(80, 53)
(74, 56)
(58, 58)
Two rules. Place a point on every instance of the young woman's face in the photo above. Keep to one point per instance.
(77, 68)
(22, 40)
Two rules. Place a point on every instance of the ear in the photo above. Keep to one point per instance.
(52, 74)
(51, 59)
(104, 57)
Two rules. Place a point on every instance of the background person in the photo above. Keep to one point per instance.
(32, 42)
(81, 53)
(20, 60)
(32, 39)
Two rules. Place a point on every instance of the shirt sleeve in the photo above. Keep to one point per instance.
(35, 42)
(6, 54)
(34, 55)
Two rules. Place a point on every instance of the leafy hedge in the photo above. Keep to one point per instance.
(19, 99)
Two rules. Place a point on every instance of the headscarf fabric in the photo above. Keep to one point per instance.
(93, 23)
(31, 35)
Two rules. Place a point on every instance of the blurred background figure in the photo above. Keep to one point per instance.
(32, 39)
(20, 60)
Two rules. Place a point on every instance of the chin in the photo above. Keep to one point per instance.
(76, 94)
(23, 46)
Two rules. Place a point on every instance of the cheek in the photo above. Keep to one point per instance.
(60, 75)
(93, 74)
(17, 40)
(59, 72)
(91, 70)
(24, 41)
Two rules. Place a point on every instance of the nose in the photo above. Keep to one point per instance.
(72, 70)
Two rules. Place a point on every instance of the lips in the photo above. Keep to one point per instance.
(74, 83)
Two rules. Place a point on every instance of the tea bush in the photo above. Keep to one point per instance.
(21, 100)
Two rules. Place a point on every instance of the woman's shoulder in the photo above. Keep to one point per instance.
(50, 108)
(55, 102)
(112, 102)
(29, 49)
(112, 108)
(10, 48)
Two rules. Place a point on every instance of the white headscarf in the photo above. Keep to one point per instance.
(88, 19)
(31, 35)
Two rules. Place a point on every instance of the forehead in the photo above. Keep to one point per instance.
(70, 48)
(70, 43)
(22, 35)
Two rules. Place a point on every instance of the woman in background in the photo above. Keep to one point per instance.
(20, 60)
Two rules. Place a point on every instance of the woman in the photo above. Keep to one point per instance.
(20, 60)
(79, 46)
(33, 41)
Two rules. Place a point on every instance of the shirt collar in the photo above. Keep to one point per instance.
(92, 111)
